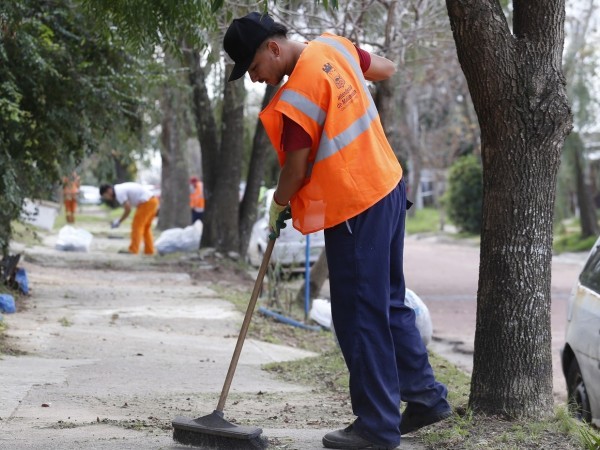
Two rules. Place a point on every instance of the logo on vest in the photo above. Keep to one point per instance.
(334, 75)
(348, 94)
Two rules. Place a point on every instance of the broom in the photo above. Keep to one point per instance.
(212, 430)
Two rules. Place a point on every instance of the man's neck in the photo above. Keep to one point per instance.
(296, 48)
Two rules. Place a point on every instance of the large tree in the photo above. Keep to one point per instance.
(63, 88)
(174, 207)
(222, 209)
(514, 73)
(259, 157)
(191, 28)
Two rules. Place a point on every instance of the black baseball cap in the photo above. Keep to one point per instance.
(242, 39)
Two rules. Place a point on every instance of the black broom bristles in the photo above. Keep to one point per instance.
(211, 441)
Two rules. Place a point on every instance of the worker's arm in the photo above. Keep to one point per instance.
(292, 175)
(380, 69)
(126, 211)
(291, 178)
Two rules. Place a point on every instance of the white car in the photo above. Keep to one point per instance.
(581, 353)
(290, 248)
(89, 195)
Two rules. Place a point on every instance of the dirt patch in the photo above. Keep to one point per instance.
(6, 347)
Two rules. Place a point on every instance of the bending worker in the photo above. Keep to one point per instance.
(134, 195)
(339, 173)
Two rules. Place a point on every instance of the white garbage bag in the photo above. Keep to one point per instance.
(422, 312)
(180, 239)
(71, 239)
(320, 312)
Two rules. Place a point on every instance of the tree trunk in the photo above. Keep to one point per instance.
(587, 210)
(206, 128)
(260, 148)
(122, 174)
(386, 91)
(413, 141)
(221, 224)
(174, 202)
(384, 101)
(518, 91)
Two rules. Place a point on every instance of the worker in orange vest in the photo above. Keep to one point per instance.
(71, 185)
(339, 173)
(196, 199)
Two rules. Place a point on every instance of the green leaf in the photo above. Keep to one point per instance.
(216, 5)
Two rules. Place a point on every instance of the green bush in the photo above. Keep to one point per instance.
(464, 195)
(572, 242)
(424, 220)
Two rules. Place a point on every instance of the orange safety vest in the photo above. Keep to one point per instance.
(197, 197)
(351, 163)
(71, 187)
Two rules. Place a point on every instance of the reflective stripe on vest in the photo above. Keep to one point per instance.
(351, 165)
(329, 146)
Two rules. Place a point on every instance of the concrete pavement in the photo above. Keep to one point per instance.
(114, 354)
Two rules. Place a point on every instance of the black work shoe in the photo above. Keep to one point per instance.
(348, 438)
(412, 421)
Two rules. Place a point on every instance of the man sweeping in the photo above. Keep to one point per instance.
(339, 173)
(134, 195)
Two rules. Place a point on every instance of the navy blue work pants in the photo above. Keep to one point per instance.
(381, 344)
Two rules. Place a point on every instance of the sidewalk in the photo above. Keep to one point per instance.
(114, 353)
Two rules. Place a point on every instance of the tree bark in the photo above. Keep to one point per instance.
(518, 91)
(260, 149)
(206, 127)
(174, 209)
(221, 220)
(587, 209)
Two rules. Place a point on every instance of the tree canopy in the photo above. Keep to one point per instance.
(63, 89)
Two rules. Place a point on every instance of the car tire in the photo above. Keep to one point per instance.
(579, 403)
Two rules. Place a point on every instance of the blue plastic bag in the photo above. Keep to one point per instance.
(22, 281)
(7, 303)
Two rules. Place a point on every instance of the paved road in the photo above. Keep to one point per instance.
(445, 276)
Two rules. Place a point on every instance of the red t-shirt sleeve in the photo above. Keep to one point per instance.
(365, 58)
(294, 137)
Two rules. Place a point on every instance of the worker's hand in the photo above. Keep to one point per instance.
(115, 223)
(278, 214)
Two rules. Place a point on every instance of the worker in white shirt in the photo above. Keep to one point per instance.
(134, 195)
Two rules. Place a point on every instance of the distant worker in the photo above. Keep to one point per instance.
(134, 195)
(71, 185)
(196, 199)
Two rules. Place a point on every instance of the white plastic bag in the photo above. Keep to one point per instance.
(423, 318)
(320, 312)
(71, 239)
(180, 239)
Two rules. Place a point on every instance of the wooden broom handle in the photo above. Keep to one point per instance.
(242, 336)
